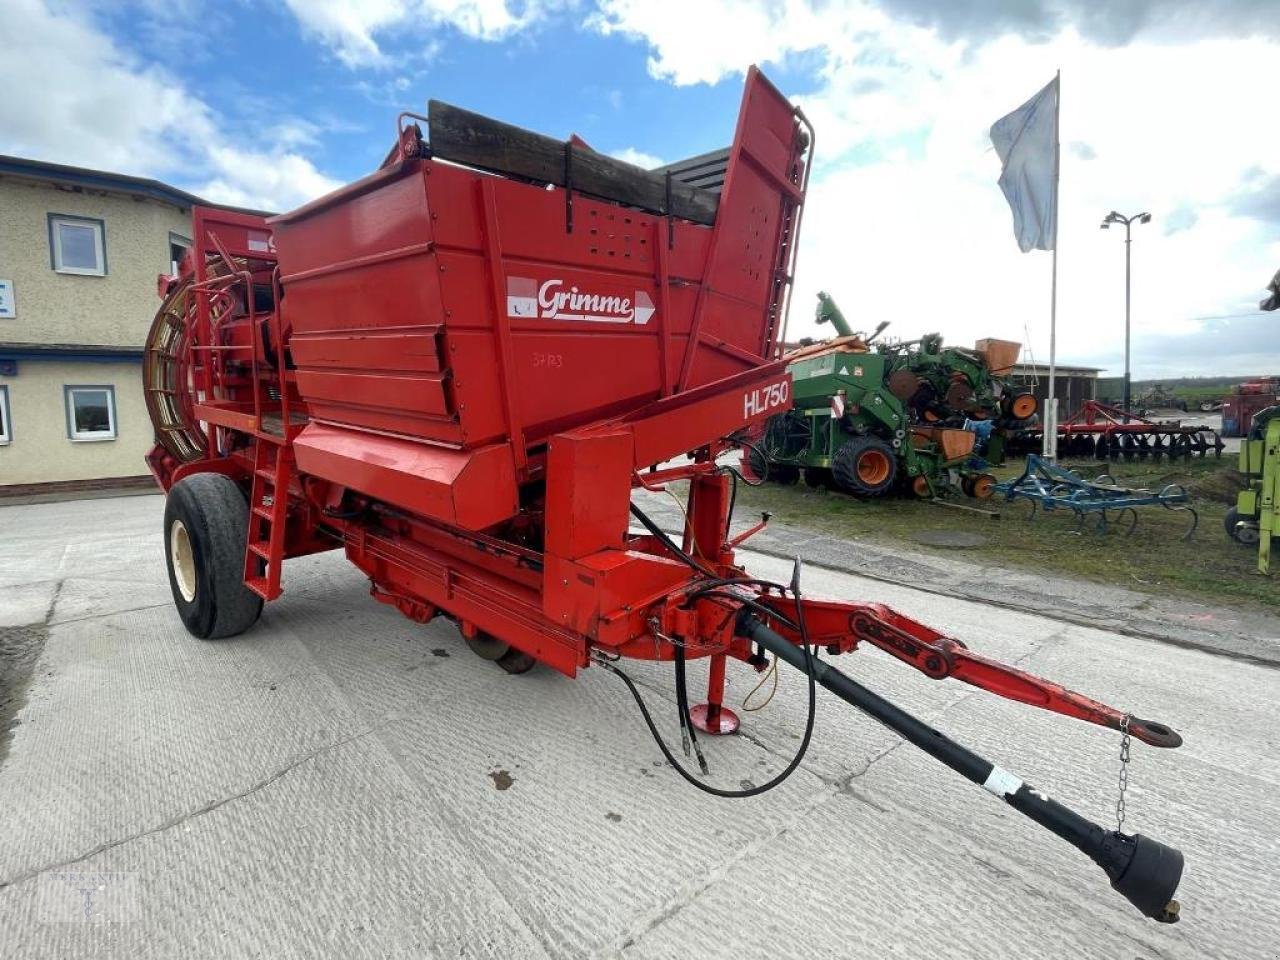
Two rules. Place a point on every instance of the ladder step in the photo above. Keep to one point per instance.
(262, 588)
(264, 554)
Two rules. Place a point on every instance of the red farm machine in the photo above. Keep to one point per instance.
(459, 368)
(1104, 432)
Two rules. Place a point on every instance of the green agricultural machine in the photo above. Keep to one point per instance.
(1255, 518)
(942, 384)
(913, 416)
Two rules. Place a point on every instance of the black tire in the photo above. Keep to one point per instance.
(488, 647)
(784, 474)
(852, 467)
(757, 465)
(1231, 521)
(213, 517)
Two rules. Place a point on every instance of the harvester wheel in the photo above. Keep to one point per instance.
(488, 647)
(920, 486)
(865, 466)
(206, 525)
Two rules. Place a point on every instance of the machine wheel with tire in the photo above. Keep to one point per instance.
(865, 467)
(1240, 528)
(763, 469)
(982, 486)
(784, 474)
(206, 525)
(759, 466)
(509, 658)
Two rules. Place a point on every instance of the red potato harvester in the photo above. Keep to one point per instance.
(458, 369)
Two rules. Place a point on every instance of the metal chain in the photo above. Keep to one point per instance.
(1124, 771)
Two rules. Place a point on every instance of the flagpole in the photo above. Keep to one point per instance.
(1050, 419)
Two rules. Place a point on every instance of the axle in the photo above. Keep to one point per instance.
(1144, 871)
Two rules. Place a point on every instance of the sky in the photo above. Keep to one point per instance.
(1168, 107)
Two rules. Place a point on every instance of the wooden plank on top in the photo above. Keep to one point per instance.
(468, 138)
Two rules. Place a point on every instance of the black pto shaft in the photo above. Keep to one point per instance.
(1144, 871)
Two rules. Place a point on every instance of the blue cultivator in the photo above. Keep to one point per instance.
(1050, 487)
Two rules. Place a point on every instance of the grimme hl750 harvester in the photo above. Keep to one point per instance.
(458, 372)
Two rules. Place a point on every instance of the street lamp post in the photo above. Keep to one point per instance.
(1128, 222)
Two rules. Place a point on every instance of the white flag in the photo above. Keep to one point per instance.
(1027, 142)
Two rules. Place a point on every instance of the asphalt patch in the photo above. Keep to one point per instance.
(19, 650)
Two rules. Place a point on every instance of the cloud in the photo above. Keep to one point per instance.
(904, 219)
(638, 157)
(1240, 344)
(705, 41)
(262, 180)
(101, 107)
(1081, 150)
(351, 28)
(1108, 23)
(1182, 218)
(1259, 198)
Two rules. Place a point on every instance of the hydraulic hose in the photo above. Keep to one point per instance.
(1144, 871)
(806, 658)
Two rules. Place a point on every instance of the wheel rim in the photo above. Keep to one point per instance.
(983, 487)
(873, 467)
(920, 486)
(183, 560)
(1023, 406)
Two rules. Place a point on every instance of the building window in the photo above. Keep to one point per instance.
(6, 427)
(77, 245)
(178, 247)
(91, 413)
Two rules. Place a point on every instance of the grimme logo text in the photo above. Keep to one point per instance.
(552, 300)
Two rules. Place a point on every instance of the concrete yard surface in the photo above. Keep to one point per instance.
(341, 782)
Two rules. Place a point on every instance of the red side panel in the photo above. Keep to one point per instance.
(588, 491)
(754, 233)
(472, 489)
(362, 299)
